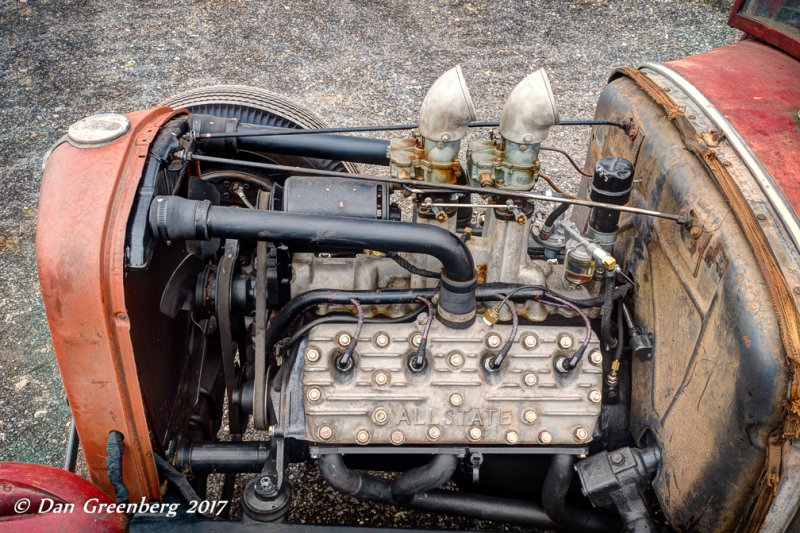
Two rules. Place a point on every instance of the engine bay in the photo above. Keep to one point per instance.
(441, 319)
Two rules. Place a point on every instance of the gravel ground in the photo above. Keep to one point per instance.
(353, 62)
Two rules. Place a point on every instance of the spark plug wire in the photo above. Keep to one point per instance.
(345, 360)
(417, 362)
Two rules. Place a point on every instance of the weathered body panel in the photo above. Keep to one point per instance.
(716, 385)
(82, 289)
(757, 88)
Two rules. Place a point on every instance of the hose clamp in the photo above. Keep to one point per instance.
(201, 219)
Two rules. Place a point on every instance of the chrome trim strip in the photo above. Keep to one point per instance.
(753, 164)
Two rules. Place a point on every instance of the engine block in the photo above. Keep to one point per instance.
(453, 400)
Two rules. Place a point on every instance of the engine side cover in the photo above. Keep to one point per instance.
(453, 400)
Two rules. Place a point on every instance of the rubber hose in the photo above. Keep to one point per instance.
(367, 487)
(554, 500)
(115, 449)
(424, 478)
(559, 210)
(605, 314)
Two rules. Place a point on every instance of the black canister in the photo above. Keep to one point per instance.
(612, 184)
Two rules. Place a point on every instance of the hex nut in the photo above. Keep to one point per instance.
(512, 437)
(381, 378)
(493, 340)
(475, 433)
(529, 416)
(380, 416)
(382, 340)
(325, 433)
(595, 396)
(529, 341)
(362, 436)
(545, 437)
(456, 399)
(581, 434)
(565, 342)
(416, 340)
(397, 437)
(530, 379)
(455, 359)
(596, 358)
(312, 355)
(344, 339)
(314, 394)
(434, 433)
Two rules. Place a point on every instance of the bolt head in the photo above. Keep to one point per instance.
(529, 342)
(595, 396)
(456, 359)
(530, 379)
(416, 340)
(596, 358)
(265, 487)
(312, 355)
(362, 436)
(565, 342)
(344, 340)
(529, 416)
(545, 437)
(512, 437)
(397, 437)
(441, 216)
(325, 433)
(313, 394)
(380, 416)
(521, 219)
(617, 458)
(434, 433)
(456, 399)
(382, 340)
(475, 433)
(493, 340)
(581, 434)
(381, 378)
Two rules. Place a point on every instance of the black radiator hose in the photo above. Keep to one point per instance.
(424, 478)
(324, 146)
(554, 500)
(176, 218)
(367, 487)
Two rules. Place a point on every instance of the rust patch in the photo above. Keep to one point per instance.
(746, 340)
(481, 273)
(715, 256)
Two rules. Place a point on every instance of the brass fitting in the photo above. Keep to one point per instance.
(485, 179)
(609, 263)
(491, 316)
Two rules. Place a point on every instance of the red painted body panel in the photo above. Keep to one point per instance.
(84, 204)
(757, 88)
(787, 38)
(33, 494)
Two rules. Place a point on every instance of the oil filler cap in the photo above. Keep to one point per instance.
(97, 130)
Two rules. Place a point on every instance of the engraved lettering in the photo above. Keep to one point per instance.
(490, 412)
(404, 417)
(448, 417)
(476, 418)
(505, 417)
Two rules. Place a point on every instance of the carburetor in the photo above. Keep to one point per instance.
(509, 159)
